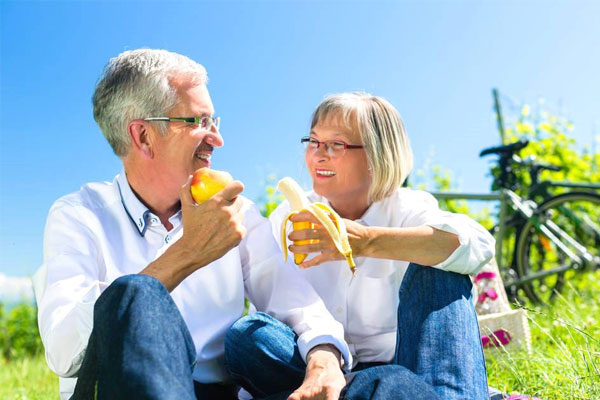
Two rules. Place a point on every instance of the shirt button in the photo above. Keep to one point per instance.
(167, 239)
(154, 220)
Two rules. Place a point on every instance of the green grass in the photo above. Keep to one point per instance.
(564, 364)
(27, 379)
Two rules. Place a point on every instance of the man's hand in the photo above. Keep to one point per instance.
(324, 379)
(213, 228)
(209, 231)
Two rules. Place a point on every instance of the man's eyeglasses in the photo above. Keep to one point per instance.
(206, 123)
(335, 148)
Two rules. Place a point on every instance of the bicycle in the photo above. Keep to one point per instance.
(555, 235)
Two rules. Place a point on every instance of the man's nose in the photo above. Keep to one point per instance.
(214, 138)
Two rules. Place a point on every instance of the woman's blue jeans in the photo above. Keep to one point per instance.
(438, 349)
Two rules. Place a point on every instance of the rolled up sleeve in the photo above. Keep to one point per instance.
(477, 245)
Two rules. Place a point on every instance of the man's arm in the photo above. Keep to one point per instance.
(69, 282)
(66, 287)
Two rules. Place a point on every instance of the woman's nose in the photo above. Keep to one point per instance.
(322, 151)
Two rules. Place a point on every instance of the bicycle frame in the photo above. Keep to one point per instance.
(541, 188)
(526, 208)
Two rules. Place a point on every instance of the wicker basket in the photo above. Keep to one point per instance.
(508, 330)
(500, 327)
(489, 294)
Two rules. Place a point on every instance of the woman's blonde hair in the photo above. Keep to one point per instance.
(387, 147)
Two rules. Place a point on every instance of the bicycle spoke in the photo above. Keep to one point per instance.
(557, 242)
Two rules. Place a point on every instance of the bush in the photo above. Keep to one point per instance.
(19, 334)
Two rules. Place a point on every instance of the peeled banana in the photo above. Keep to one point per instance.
(328, 218)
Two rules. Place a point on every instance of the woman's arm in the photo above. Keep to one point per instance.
(422, 245)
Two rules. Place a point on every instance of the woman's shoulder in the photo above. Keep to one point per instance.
(407, 196)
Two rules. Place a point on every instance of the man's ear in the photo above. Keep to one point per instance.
(141, 138)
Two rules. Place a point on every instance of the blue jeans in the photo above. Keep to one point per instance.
(140, 347)
(438, 350)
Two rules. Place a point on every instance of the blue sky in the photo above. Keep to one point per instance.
(269, 64)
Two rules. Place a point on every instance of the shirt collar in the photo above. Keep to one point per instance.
(374, 216)
(138, 213)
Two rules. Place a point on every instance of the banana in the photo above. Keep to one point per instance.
(327, 217)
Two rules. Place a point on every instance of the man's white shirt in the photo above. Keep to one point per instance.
(103, 231)
(366, 303)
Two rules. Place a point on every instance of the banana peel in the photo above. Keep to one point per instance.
(328, 218)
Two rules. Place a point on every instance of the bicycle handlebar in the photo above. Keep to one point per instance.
(530, 162)
(506, 150)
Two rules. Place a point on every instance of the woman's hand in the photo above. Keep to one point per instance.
(358, 236)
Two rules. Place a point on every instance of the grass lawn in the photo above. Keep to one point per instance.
(27, 379)
(565, 363)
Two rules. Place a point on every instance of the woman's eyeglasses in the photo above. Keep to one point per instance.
(335, 148)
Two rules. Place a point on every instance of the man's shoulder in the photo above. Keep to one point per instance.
(93, 196)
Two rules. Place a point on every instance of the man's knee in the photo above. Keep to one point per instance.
(130, 289)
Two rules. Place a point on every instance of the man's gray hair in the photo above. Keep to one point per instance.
(388, 150)
(136, 84)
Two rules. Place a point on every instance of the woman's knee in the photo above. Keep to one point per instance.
(434, 284)
(258, 343)
(253, 326)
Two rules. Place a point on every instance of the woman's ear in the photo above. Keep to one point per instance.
(141, 138)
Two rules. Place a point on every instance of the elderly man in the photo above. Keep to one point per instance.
(139, 283)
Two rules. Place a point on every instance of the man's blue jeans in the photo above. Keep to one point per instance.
(140, 348)
(438, 350)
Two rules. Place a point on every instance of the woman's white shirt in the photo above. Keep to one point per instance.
(366, 303)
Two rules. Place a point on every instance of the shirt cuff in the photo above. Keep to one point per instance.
(474, 250)
(309, 340)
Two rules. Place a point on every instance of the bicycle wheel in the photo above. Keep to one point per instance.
(577, 214)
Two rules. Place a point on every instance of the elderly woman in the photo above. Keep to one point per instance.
(409, 303)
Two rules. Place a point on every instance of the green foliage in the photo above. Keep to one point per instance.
(19, 335)
(269, 201)
(550, 143)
